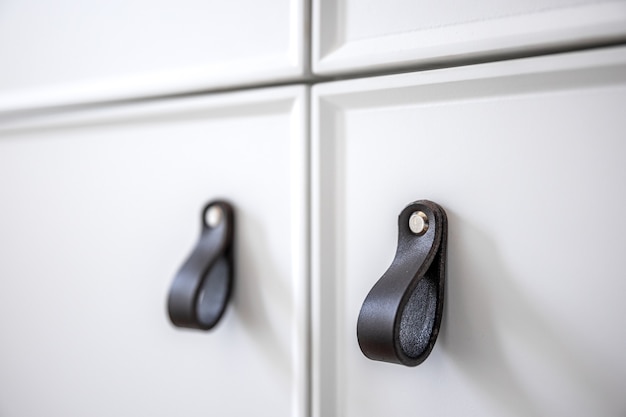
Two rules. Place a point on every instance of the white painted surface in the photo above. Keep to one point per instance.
(61, 52)
(357, 35)
(100, 209)
(518, 153)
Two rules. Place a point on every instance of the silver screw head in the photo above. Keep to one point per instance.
(418, 223)
(213, 216)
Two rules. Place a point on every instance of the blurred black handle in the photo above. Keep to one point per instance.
(201, 289)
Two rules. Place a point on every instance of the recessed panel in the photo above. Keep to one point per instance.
(365, 36)
(65, 51)
(526, 157)
(99, 211)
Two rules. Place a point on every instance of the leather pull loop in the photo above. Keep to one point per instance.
(400, 317)
(202, 287)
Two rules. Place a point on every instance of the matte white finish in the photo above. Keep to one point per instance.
(517, 153)
(99, 210)
(356, 35)
(62, 52)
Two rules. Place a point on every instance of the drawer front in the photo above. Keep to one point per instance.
(387, 34)
(100, 209)
(527, 158)
(66, 51)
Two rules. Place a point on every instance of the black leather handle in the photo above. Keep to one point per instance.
(202, 286)
(400, 317)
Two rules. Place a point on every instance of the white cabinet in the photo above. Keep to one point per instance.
(363, 36)
(527, 158)
(66, 51)
(120, 120)
(99, 210)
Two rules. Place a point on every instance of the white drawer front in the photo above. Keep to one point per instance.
(352, 35)
(527, 158)
(100, 209)
(66, 51)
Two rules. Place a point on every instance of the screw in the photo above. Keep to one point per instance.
(213, 216)
(418, 223)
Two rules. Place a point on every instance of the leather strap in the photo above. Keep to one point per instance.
(202, 286)
(400, 317)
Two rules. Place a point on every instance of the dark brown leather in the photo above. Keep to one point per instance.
(400, 317)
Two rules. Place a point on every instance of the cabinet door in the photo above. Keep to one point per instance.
(352, 35)
(527, 158)
(99, 210)
(62, 52)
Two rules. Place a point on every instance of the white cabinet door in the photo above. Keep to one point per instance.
(353, 35)
(527, 158)
(99, 210)
(67, 51)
